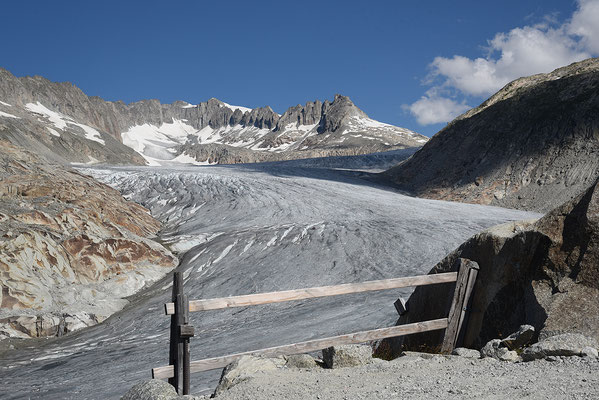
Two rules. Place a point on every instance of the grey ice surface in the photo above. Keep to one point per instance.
(245, 229)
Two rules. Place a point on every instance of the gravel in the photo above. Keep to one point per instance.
(438, 377)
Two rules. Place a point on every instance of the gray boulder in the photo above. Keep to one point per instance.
(467, 353)
(244, 369)
(154, 389)
(519, 339)
(566, 344)
(590, 352)
(347, 356)
(495, 349)
(300, 361)
(491, 348)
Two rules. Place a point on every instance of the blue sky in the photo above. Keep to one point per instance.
(412, 64)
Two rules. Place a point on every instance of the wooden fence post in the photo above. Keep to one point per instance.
(458, 313)
(174, 337)
(181, 332)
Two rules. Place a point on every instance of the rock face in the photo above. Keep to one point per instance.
(544, 273)
(63, 123)
(71, 249)
(533, 145)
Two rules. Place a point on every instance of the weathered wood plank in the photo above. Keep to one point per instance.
(308, 293)
(465, 315)
(185, 340)
(179, 361)
(174, 335)
(309, 346)
(458, 304)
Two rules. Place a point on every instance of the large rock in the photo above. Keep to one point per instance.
(303, 361)
(245, 368)
(71, 248)
(567, 344)
(520, 338)
(154, 389)
(533, 145)
(467, 353)
(346, 356)
(544, 273)
(495, 349)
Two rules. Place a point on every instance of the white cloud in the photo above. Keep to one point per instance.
(585, 23)
(433, 109)
(520, 52)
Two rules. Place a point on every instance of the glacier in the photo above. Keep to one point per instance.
(249, 228)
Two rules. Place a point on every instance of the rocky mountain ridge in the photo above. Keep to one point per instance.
(66, 124)
(533, 145)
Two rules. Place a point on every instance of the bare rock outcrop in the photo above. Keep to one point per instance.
(544, 273)
(71, 248)
(533, 145)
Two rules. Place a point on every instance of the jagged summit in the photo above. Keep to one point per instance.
(60, 120)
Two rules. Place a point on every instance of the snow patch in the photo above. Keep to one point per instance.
(56, 118)
(5, 104)
(60, 121)
(7, 115)
(242, 109)
(53, 132)
(185, 158)
(155, 143)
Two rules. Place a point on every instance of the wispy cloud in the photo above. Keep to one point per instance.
(520, 52)
(433, 108)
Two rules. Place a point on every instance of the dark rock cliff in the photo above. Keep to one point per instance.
(544, 273)
(533, 145)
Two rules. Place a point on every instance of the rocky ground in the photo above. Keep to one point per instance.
(71, 248)
(429, 377)
(562, 366)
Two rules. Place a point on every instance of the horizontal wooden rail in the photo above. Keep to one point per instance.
(309, 293)
(308, 346)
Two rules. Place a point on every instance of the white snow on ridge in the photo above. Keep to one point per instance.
(189, 106)
(60, 121)
(185, 158)
(7, 115)
(56, 118)
(53, 132)
(90, 133)
(5, 104)
(242, 109)
(154, 142)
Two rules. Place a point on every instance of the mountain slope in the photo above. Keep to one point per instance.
(71, 249)
(533, 145)
(64, 123)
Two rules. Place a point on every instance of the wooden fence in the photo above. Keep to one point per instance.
(180, 366)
